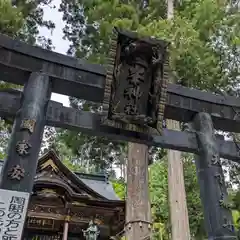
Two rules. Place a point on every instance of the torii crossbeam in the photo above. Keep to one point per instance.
(65, 117)
(74, 77)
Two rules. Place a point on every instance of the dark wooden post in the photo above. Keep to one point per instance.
(217, 213)
(17, 176)
(20, 166)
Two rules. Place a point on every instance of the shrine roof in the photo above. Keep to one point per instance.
(99, 183)
(93, 184)
(96, 184)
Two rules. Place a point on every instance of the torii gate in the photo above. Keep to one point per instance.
(135, 98)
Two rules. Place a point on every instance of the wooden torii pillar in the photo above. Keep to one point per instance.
(19, 168)
(213, 192)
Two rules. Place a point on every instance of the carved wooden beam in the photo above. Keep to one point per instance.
(65, 117)
(70, 76)
(74, 77)
(183, 103)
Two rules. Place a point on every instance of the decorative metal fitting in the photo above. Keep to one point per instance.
(68, 218)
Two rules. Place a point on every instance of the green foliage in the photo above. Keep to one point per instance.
(158, 185)
(89, 29)
(236, 210)
(22, 18)
(119, 187)
(236, 219)
(95, 154)
(11, 19)
(236, 200)
(5, 130)
(197, 35)
(73, 167)
(194, 205)
(32, 12)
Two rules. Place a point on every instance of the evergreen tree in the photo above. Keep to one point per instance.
(32, 13)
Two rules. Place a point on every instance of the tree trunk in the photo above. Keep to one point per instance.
(177, 195)
(170, 9)
(176, 187)
(138, 211)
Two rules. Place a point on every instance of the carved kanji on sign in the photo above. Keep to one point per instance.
(16, 173)
(135, 75)
(23, 147)
(133, 93)
(130, 109)
(28, 124)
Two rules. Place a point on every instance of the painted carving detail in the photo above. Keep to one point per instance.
(16, 173)
(92, 232)
(28, 124)
(23, 148)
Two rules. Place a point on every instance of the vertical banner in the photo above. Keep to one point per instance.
(13, 209)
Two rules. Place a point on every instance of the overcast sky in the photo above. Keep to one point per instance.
(60, 45)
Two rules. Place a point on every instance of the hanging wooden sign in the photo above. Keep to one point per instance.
(40, 223)
(135, 90)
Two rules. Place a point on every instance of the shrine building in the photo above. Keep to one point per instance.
(63, 203)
